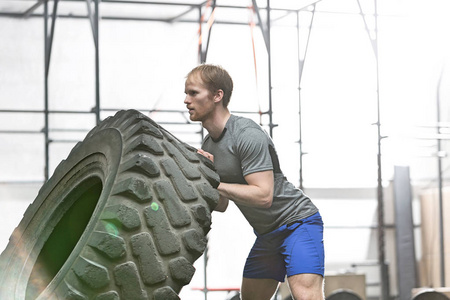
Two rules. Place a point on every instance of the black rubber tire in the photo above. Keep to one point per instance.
(430, 295)
(343, 294)
(236, 297)
(123, 217)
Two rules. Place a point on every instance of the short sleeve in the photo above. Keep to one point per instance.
(252, 146)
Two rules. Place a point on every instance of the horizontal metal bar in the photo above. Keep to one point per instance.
(182, 111)
(183, 132)
(147, 110)
(20, 111)
(437, 136)
(435, 125)
(22, 182)
(122, 18)
(43, 111)
(133, 2)
(68, 130)
(64, 141)
(250, 112)
(373, 284)
(50, 129)
(181, 4)
(369, 263)
(441, 154)
(174, 18)
(177, 123)
(166, 20)
(151, 3)
(85, 111)
(20, 14)
(112, 18)
(19, 131)
(389, 226)
(85, 130)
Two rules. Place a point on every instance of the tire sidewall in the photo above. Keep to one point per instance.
(88, 161)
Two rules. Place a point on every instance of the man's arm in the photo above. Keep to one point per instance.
(258, 192)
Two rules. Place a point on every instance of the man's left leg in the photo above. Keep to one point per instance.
(306, 286)
(258, 289)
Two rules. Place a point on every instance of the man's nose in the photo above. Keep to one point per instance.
(186, 99)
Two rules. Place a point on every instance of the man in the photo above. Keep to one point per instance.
(287, 225)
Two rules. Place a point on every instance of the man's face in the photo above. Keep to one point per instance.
(199, 100)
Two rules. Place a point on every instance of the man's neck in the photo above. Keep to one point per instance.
(216, 125)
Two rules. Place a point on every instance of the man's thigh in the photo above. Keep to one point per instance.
(258, 289)
(304, 249)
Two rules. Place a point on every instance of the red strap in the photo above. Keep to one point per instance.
(209, 24)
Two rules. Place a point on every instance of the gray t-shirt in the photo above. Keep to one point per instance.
(245, 148)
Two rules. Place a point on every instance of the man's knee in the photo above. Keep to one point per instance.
(306, 287)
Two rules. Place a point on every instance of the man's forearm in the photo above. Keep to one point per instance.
(247, 195)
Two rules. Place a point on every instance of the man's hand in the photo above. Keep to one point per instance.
(206, 154)
(223, 202)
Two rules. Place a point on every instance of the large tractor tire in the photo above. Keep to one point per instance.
(123, 217)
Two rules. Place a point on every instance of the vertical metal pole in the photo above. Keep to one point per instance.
(205, 254)
(97, 63)
(46, 63)
(441, 204)
(266, 36)
(300, 69)
(441, 217)
(384, 274)
(49, 37)
(205, 54)
(269, 57)
(301, 64)
(205, 260)
(200, 37)
(48, 42)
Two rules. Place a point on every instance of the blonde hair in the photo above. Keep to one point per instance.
(214, 78)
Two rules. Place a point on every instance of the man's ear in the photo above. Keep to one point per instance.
(218, 96)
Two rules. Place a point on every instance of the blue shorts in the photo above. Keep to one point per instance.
(292, 249)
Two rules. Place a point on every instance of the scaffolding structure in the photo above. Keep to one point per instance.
(93, 14)
(93, 9)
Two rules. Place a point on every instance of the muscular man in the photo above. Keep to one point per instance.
(288, 226)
